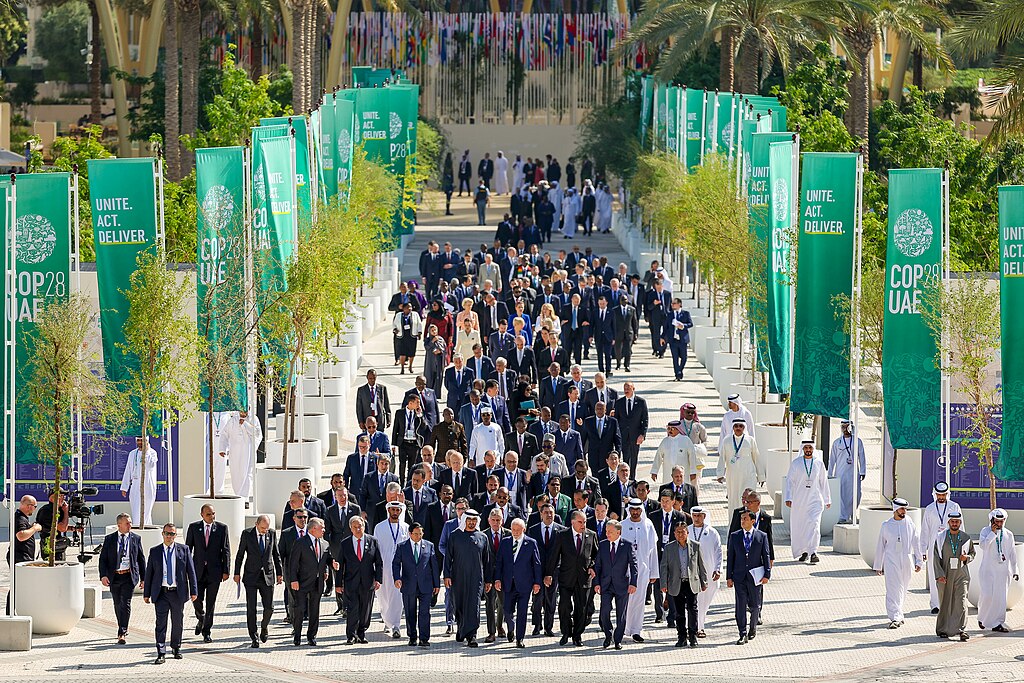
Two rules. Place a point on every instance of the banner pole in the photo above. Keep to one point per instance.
(76, 281)
(946, 398)
(703, 125)
(250, 307)
(794, 223)
(10, 387)
(855, 325)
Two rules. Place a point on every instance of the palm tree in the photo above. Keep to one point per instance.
(172, 90)
(190, 14)
(300, 52)
(998, 24)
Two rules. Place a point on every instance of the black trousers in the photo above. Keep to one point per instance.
(121, 590)
(656, 331)
(544, 606)
(623, 350)
(686, 612)
(407, 454)
(464, 182)
(679, 351)
(619, 600)
(494, 602)
(417, 615)
(630, 451)
(307, 606)
(168, 604)
(266, 596)
(748, 601)
(604, 355)
(358, 606)
(572, 610)
(516, 601)
(659, 608)
(574, 342)
(206, 602)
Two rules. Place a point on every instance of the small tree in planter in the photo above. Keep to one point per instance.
(162, 349)
(60, 387)
(963, 314)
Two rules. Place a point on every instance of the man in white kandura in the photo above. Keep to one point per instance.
(389, 533)
(998, 568)
(690, 425)
(807, 496)
(240, 436)
(676, 449)
(739, 463)
(737, 411)
(934, 520)
(846, 462)
(711, 552)
(131, 481)
(896, 558)
(639, 531)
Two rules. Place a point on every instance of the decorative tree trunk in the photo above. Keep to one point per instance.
(95, 83)
(191, 19)
(172, 149)
(748, 78)
(300, 82)
(918, 69)
(319, 18)
(727, 63)
(256, 49)
(861, 40)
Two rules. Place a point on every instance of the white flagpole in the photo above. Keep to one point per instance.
(946, 398)
(855, 326)
(250, 307)
(10, 347)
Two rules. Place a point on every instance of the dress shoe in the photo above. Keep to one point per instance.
(412, 642)
(311, 642)
(1001, 629)
(177, 654)
(964, 637)
(935, 610)
(618, 646)
(680, 643)
(751, 634)
(159, 659)
(199, 628)
(814, 558)
(120, 640)
(501, 633)
(395, 635)
(255, 643)
(658, 620)
(424, 643)
(607, 642)
(549, 634)
(207, 639)
(577, 641)
(536, 630)
(648, 601)
(350, 641)
(511, 636)
(448, 631)
(361, 640)
(459, 639)
(693, 642)
(742, 640)
(759, 622)
(471, 642)
(637, 638)
(563, 640)
(297, 640)
(264, 635)
(489, 638)
(339, 611)
(802, 558)
(520, 643)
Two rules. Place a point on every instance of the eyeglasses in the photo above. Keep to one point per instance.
(298, 516)
(170, 534)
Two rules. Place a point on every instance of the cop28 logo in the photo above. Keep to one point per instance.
(36, 238)
(727, 134)
(344, 146)
(780, 199)
(912, 233)
(260, 183)
(218, 207)
(395, 124)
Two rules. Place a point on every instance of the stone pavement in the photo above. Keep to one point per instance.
(825, 622)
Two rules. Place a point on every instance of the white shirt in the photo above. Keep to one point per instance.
(486, 438)
(168, 581)
(123, 541)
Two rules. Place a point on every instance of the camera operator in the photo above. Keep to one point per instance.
(44, 519)
(24, 536)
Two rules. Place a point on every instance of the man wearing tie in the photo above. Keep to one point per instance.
(290, 537)
(567, 440)
(615, 581)
(409, 434)
(600, 392)
(337, 530)
(428, 401)
(575, 319)
(458, 380)
(551, 387)
(122, 567)
(374, 487)
(625, 331)
(418, 577)
(605, 326)
(372, 400)
(360, 572)
(518, 575)
(572, 560)
(258, 550)
(601, 434)
(211, 555)
(677, 336)
(631, 413)
(522, 442)
(656, 310)
(748, 568)
(307, 573)
(170, 583)
(358, 465)
(506, 379)
(494, 599)
(522, 360)
(419, 495)
(544, 534)
(481, 365)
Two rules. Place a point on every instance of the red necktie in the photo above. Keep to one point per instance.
(579, 544)
(207, 534)
(547, 535)
(497, 539)
(359, 549)
(316, 546)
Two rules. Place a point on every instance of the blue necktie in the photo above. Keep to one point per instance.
(746, 541)
(168, 570)
(263, 546)
(120, 548)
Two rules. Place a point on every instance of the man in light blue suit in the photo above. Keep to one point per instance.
(417, 575)
(518, 574)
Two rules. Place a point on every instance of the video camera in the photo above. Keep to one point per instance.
(77, 507)
(82, 513)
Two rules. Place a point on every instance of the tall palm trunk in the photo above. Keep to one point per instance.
(191, 20)
(316, 51)
(918, 69)
(95, 84)
(861, 40)
(748, 55)
(299, 75)
(256, 49)
(172, 149)
(727, 62)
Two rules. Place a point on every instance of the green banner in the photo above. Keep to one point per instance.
(673, 120)
(403, 118)
(692, 134)
(346, 134)
(710, 142)
(303, 186)
(125, 211)
(828, 224)
(1010, 464)
(273, 200)
(660, 114)
(727, 125)
(316, 154)
(646, 105)
(220, 261)
(781, 160)
(327, 146)
(910, 378)
(371, 77)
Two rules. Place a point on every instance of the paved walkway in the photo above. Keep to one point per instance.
(821, 623)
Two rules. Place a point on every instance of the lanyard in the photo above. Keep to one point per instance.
(808, 469)
(849, 449)
(689, 427)
(999, 546)
(942, 515)
(736, 447)
(955, 547)
(703, 529)
(396, 531)
(510, 480)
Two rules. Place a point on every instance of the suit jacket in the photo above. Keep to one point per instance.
(671, 334)
(483, 472)
(373, 494)
(427, 496)
(499, 410)
(581, 414)
(572, 568)
(613, 493)
(520, 496)
(658, 520)
(598, 445)
(529, 450)
(635, 423)
(538, 485)
(600, 529)
(550, 393)
(604, 330)
(539, 302)
(558, 355)
(584, 386)
(465, 417)
(184, 574)
(457, 392)
(615, 576)
(500, 345)
(428, 404)
(364, 404)
(396, 302)
(305, 567)
(570, 445)
(591, 398)
(522, 573)
(673, 573)
(445, 437)
(420, 428)
(486, 366)
(512, 511)
(739, 561)
(256, 567)
(569, 485)
(110, 562)
(337, 521)
(689, 494)
(435, 522)
(763, 523)
(418, 578)
(626, 329)
(354, 473)
(489, 327)
(357, 575)
(212, 560)
(467, 484)
(582, 316)
(528, 366)
(653, 313)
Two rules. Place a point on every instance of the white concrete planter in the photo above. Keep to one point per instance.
(273, 486)
(829, 518)
(769, 436)
(871, 519)
(349, 354)
(333, 407)
(346, 371)
(770, 413)
(699, 340)
(1014, 592)
(718, 360)
(307, 454)
(230, 510)
(333, 386)
(747, 393)
(310, 386)
(730, 374)
(53, 596)
(315, 425)
(776, 466)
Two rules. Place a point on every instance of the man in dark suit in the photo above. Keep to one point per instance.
(307, 572)
(211, 556)
(372, 399)
(493, 316)
(552, 386)
(289, 537)
(573, 407)
(676, 334)
(522, 443)
(657, 303)
(499, 406)
(462, 479)
(625, 331)
(438, 513)
(428, 401)
(762, 519)
(504, 506)
(513, 479)
(665, 520)
(544, 533)
(418, 577)
(554, 353)
(374, 486)
(430, 263)
(568, 441)
(359, 573)
(631, 413)
(409, 433)
(599, 522)
(500, 343)
(122, 567)
(575, 320)
(600, 392)
(601, 436)
(615, 581)
(747, 551)
(458, 380)
(521, 359)
(620, 490)
(419, 496)
(680, 486)
(327, 497)
(170, 583)
(603, 331)
(481, 365)
(258, 550)
(358, 465)
(489, 467)
(572, 559)
(336, 522)
(518, 575)
(581, 481)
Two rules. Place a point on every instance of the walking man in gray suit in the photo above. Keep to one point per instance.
(683, 576)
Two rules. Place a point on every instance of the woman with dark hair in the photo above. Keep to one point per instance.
(422, 300)
(448, 184)
(438, 315)
(436, 357)
(524, 402)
